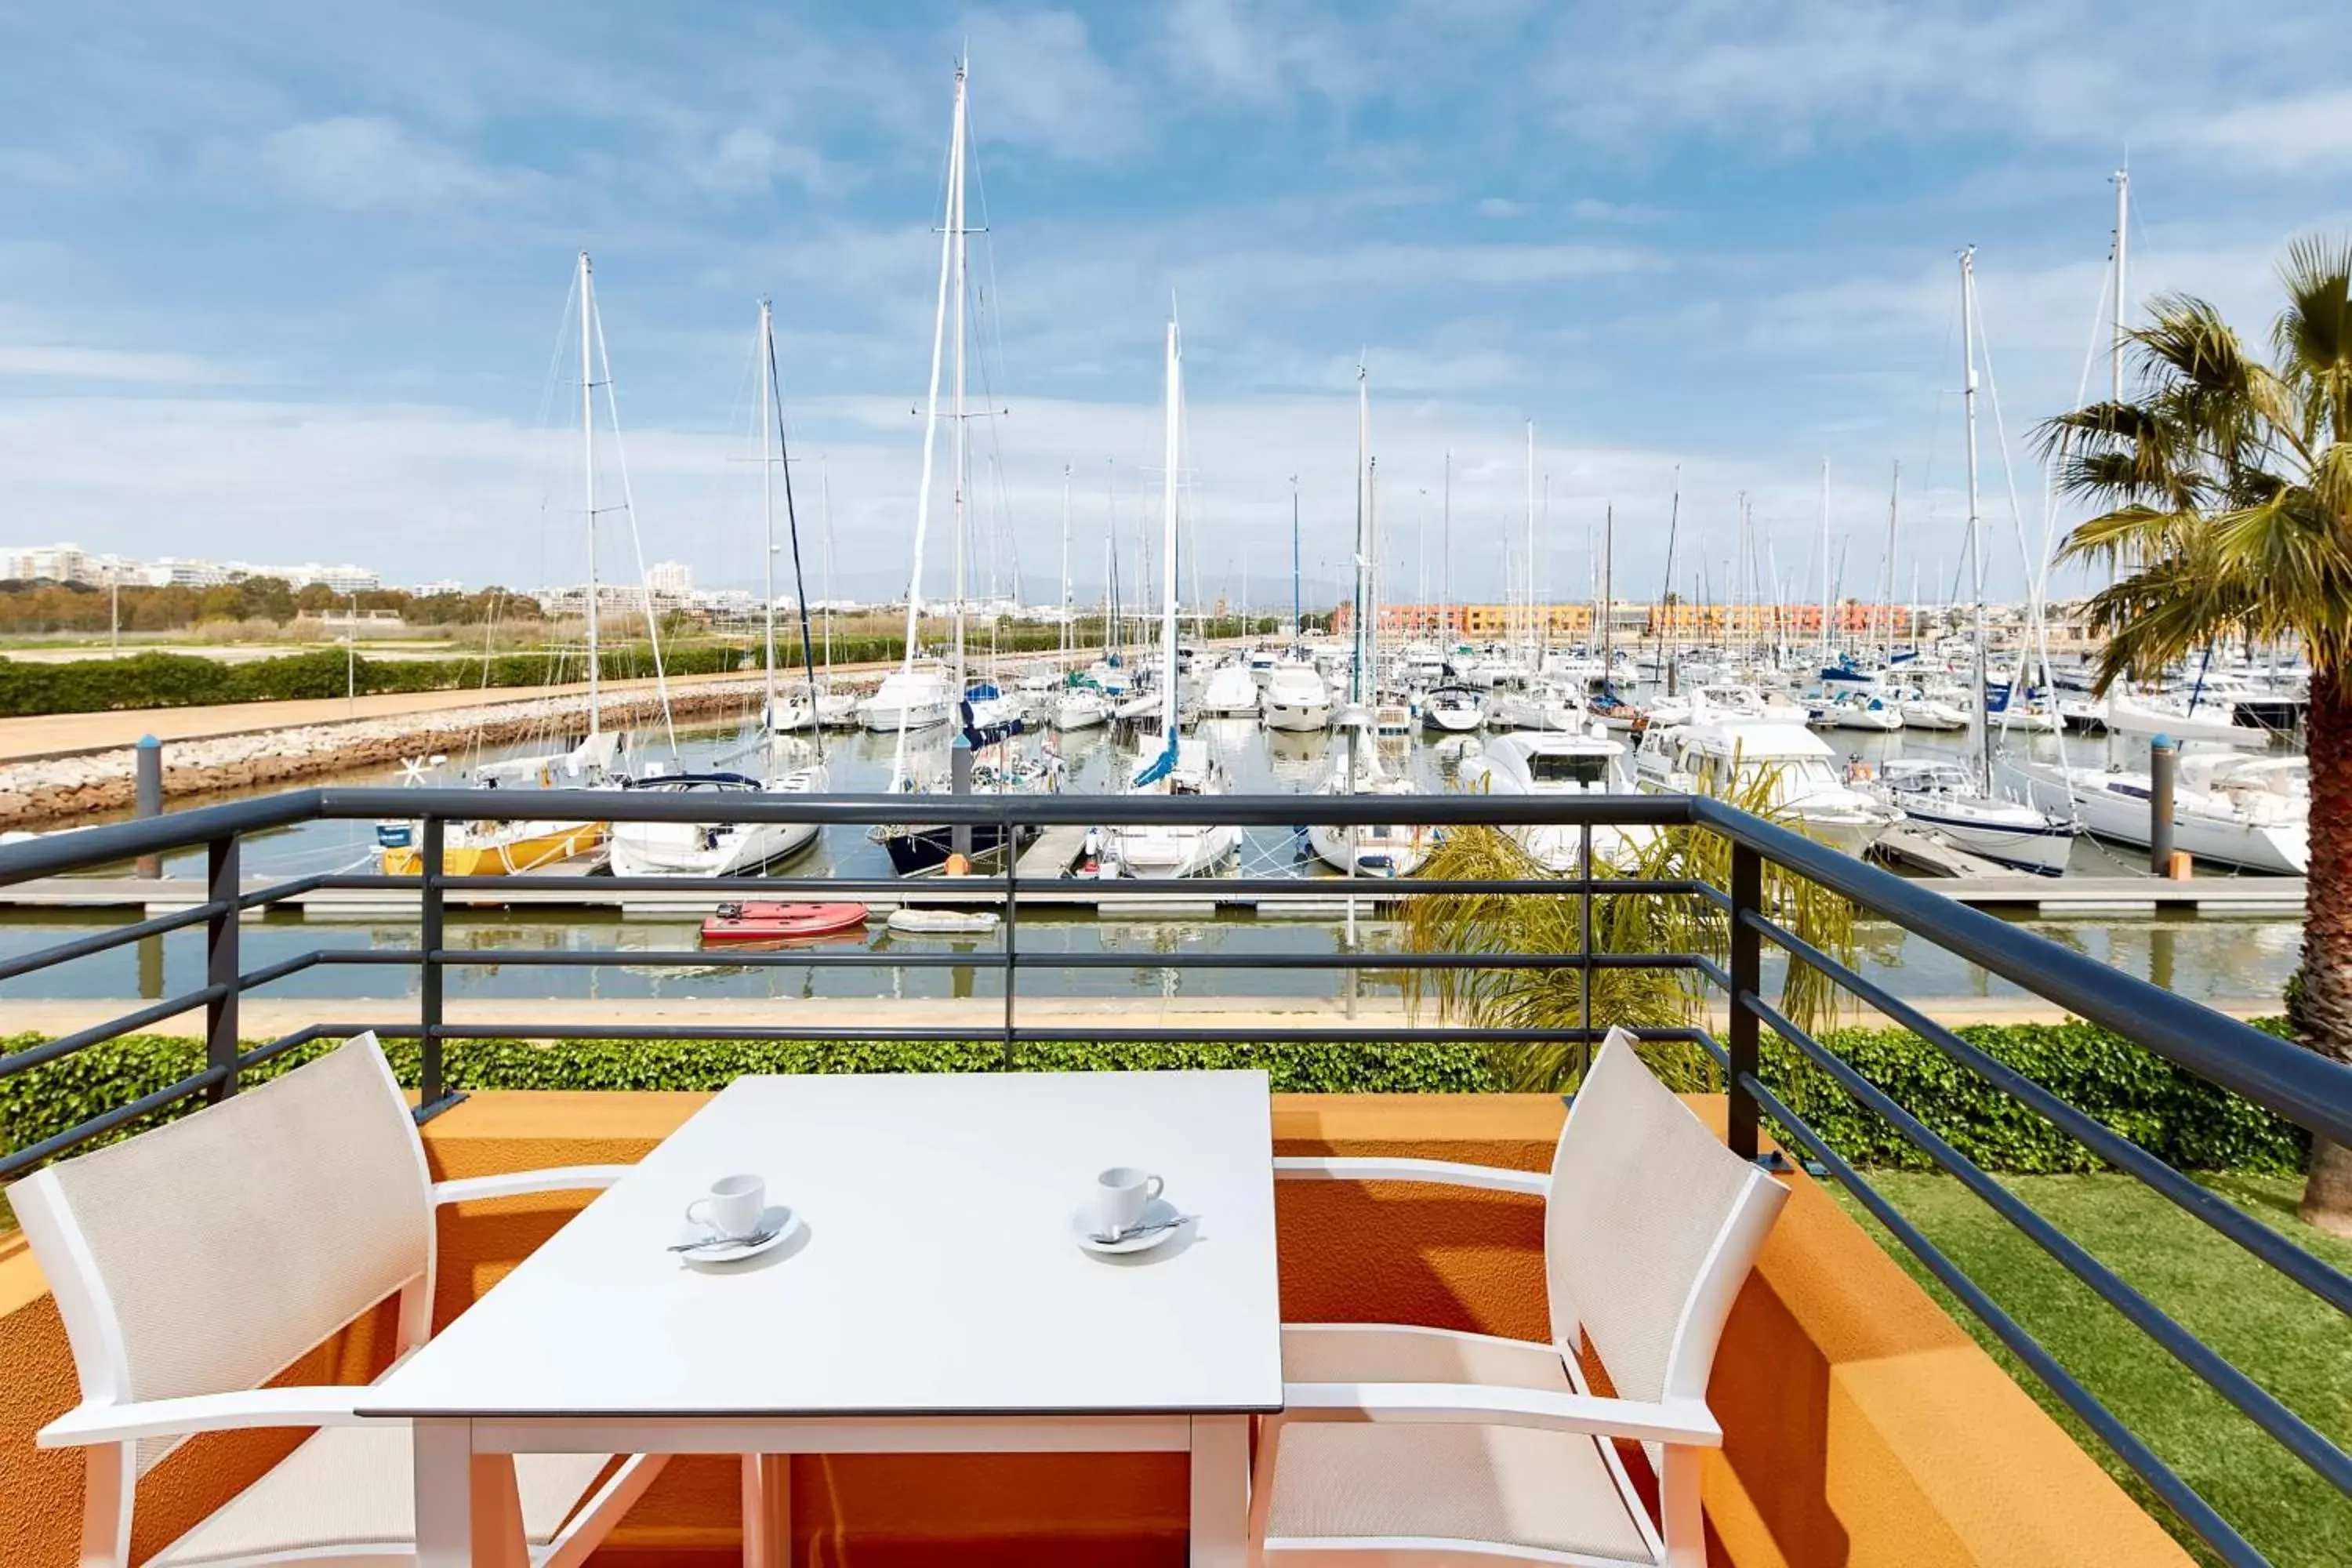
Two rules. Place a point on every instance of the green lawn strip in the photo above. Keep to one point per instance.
(2286, 1340)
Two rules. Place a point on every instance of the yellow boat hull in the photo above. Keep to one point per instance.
(504, 857)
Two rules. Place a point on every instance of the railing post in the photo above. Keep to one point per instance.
(1009, 846)
(1584, 982)
(1747, 980)
(428, 935)
(221, 963)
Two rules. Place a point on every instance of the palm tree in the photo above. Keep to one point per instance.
(1553, 997)
(2228, 488)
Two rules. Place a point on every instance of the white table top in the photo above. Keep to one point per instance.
(938, 1274)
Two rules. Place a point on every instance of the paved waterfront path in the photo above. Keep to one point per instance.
(850, 1018)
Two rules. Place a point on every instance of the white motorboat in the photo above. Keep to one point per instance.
(2183, 719)
(1737, 700)
(1296, 698)
(988, 707)
(1454, 709)
(2227, 808)
(1080, 708)
(1726, 757)
(1559, 763)
(1924, 710)
(1850, 709)
(915, 698)
(1941, 795)
(1383, 849)
(1232, 692)
(1540, 704)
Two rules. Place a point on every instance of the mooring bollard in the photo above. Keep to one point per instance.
(960, 785)
(147, 794)
(2163, 752)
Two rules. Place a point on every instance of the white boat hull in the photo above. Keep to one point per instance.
(704, 849)
(2280, 848)
(886, 718)
(1174, 851)
(1299, 718)
(2043, 850)
(1384, 851)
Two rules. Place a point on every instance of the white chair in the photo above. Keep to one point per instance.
(195, 1262)
(1401, 1444)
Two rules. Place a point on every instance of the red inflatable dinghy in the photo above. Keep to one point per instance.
(781, 922)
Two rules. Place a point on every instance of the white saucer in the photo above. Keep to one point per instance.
(784, 1222)
(1155, 1213)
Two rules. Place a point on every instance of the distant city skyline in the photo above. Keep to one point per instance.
(286, 282)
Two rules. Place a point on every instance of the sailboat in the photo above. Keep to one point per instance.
(1379, 850)
(987, 718)
(744, 849)
(1943, 797)
(1174, 765)
(513, 847)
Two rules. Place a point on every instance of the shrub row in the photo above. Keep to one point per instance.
(2182, 1120)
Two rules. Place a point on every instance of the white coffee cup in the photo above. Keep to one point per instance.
(1121, 1194)
(733, 1208)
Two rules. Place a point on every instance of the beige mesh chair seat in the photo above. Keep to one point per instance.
(1397, 1442)
(193, 1264)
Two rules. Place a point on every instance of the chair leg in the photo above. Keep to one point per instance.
(1220, 1488)
(109, 1486)
(766, 1510)
(1681, 1521)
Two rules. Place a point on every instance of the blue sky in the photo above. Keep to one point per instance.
(284, 281)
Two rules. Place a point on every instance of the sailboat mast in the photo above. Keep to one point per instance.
(824, 495)
(1825, 564)
(1608, 591)
(931, 443)
(1445, 557)
(588, 469)
(1363, 545)
(1069, 626)
(1893, 521)
(1529, 584)
(1167, 551)
(1297, 626)
(768, 513)
(955, 238)
(2123, 295)
(1976, 529)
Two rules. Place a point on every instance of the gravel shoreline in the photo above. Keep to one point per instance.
(50, 791)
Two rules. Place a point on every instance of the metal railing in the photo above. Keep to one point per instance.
(2298, 1085)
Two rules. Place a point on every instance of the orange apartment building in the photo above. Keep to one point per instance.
(1574, 622)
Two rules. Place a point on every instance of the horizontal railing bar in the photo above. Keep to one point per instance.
(1072, 810)
(284, 1043)
(98, 1126)
(994, 959)
(129, 1023)
(111, 937)
(364, 956)
(279, 893)
(2301, 1086)
(2180, 1497)
(2330, 1462)
(280, 970)
(2314, 1274)
(54, 854)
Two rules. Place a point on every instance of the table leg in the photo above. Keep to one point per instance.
(1221, 1481)
(766, 1510)
(443, 1459)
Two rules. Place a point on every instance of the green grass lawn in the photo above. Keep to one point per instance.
(2290, 1343)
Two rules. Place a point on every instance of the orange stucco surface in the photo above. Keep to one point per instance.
(1862, 1426)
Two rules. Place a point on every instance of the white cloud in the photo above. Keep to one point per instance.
(1037, 83)
(367, 163)
(1592, 209)
(1220, 49)
(57, 362)
(749, 158)
(1500, 207)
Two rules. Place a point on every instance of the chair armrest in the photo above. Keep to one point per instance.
(515, 1183)
(1687, 1422)
(311, 1406)
(1344, 1168)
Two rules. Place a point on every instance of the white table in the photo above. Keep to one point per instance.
(938, 1301)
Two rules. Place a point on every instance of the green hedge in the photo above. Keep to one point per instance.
(184, 681)
(2182, 1120)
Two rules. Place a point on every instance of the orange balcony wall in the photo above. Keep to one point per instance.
(1863, 1428)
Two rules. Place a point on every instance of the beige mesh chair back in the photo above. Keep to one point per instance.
(1645, 1200)
(197, 1262)
(1400, 1443)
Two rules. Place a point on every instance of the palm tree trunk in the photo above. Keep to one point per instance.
(2324, 1019)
